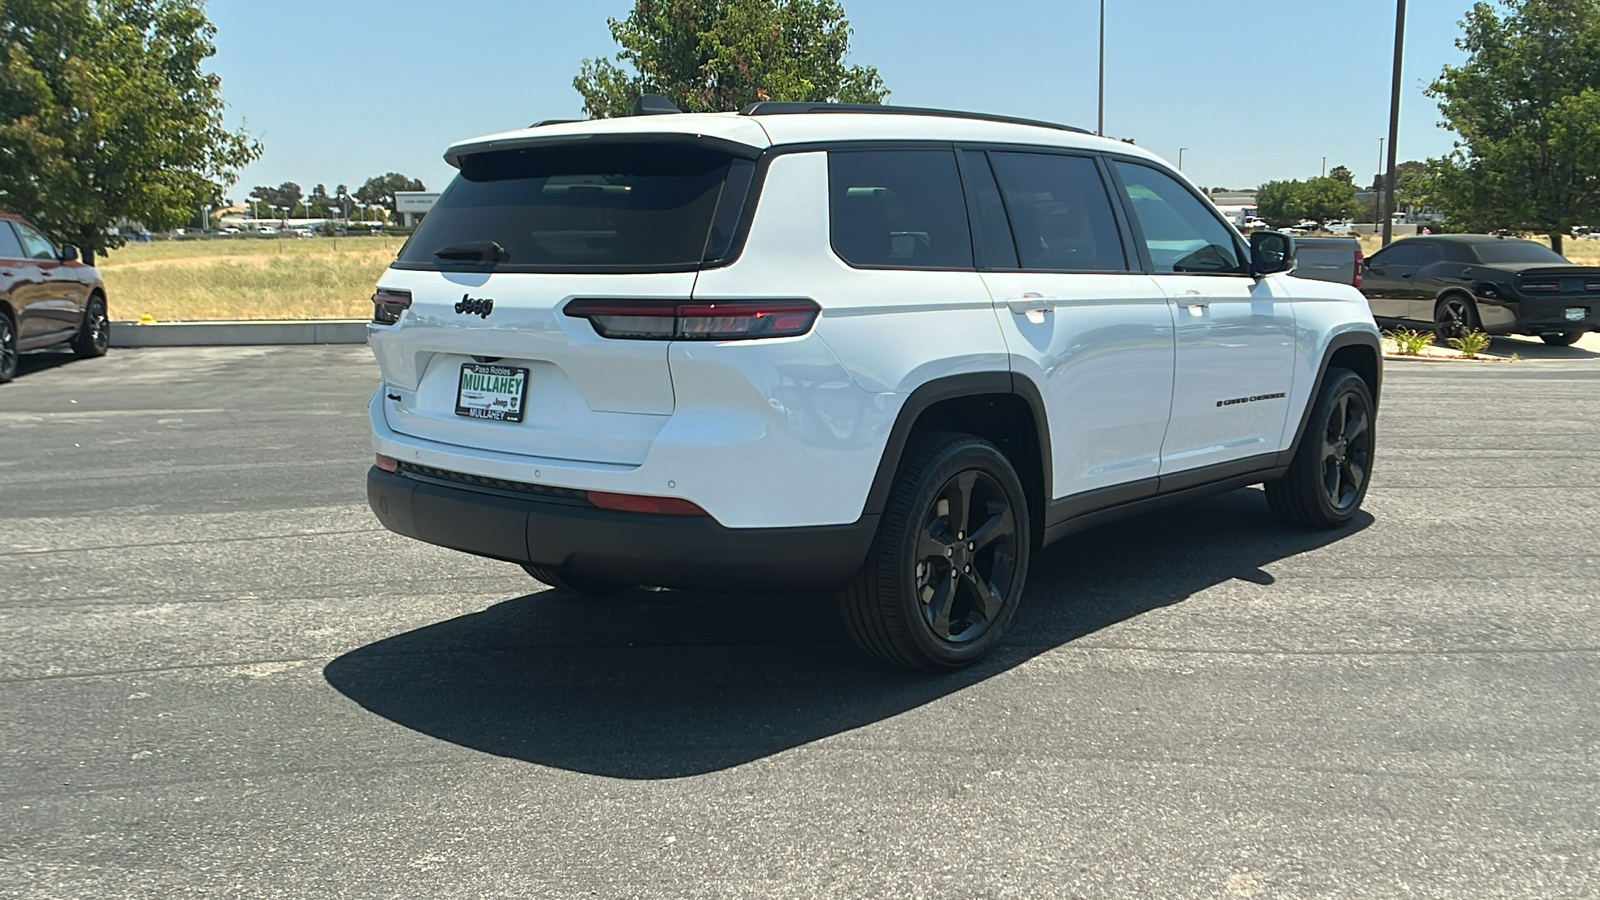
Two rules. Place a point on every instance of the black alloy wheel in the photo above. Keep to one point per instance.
(966, 557)
(944, 575)
(1455, 316)
(1561, 338)
(1346, 451)
(8, 349)
(1332, 467)
(94, 335)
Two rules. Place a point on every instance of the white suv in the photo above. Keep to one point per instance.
(887, 352)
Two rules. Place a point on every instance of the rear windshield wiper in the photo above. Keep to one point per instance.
(474, 251)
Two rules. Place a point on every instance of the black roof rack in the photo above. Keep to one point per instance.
(543, 122)
(789, 108)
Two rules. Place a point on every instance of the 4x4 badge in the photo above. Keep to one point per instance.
(470, 305)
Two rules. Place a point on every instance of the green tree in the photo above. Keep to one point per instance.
(286, 195)
(379, 190)
(1281, 203)
(1328, 198)
(720, 55)
(1343, 173)
(106, 114)
(1526, 103)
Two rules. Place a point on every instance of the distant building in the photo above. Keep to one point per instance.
(1235, 206)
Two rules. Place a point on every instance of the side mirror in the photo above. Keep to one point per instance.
(69, 253)
(1270, 252)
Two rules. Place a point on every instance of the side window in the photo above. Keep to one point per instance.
(989, 225)
(1404, 253)
(1181, 231)
(1060, 212)
(34, 244)
(10, 247)
(899, 209)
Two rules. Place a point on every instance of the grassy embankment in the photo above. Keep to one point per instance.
(246, 278)
(309, 278)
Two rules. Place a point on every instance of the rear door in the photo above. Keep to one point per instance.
(485, 357)
(1235, 334)
(23, 283)
(1081, 321)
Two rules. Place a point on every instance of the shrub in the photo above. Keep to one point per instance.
(1409, 342)
(1471, 345)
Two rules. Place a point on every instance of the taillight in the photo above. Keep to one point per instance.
(666, 506)
(1591, 285)
(388, 463)
(1356, 279)
(1541, 287)
(719, 320)
(388, 304)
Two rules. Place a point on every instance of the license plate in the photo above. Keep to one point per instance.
(492, 392)
(1576, 313)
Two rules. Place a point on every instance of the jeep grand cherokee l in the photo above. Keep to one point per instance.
(881, 351)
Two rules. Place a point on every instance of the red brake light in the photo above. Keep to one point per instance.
(1356, 280)
(387, 305)
(1542, 287)
(666, 506)
(715, 320)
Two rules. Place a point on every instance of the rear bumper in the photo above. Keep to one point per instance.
(689, 552)
(1546, 315)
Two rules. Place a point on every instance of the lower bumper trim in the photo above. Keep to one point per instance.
(692, 553)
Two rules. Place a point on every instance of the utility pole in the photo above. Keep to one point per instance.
(1324, 167)
(1394, 121)
(1100, 126)
(1180, 158)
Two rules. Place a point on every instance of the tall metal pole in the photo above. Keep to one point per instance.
(1100, 126)
(1394, 120)
(1180, 158)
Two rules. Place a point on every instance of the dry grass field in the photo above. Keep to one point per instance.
(310, 278)
(246, 278)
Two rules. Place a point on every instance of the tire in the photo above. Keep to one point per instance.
(572, 584)
(1454, 316)
(933, 595)
(1332, 468)
(8, 348)
(1562, 339)
(94, 335)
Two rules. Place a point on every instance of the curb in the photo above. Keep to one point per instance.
(242, 333)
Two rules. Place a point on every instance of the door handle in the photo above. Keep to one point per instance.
(1193, 300)
(1031, 302)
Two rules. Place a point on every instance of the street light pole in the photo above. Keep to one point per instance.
(1180, 158)
(1394, 121)
(1100, 126)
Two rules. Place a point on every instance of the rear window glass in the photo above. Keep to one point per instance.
(636, 206)
(900, 209)
(10, 247)
(1517, 252)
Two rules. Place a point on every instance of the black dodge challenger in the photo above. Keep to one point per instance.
(1459, 283)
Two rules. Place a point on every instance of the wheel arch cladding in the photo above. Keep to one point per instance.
(1359, 351)
(1006, 410)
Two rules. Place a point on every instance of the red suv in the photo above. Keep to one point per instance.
(47, 297)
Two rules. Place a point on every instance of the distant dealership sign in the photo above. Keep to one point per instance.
(415, 202)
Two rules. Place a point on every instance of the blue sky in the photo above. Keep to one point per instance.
(1254, 89)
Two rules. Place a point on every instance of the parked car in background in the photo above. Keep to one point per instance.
(1254, 224)
(1335, 259)
(47, 297)
(1459, 283)
(1341, 227)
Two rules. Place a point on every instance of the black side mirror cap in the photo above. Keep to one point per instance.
(69, 253)
(1270, 252)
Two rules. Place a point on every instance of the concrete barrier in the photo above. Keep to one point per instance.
(241, 333)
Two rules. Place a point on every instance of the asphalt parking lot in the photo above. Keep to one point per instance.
(219, 677)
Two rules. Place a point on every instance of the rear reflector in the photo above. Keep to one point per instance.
(387, 305)
(721, 320)
(388, 463)
(666, 506)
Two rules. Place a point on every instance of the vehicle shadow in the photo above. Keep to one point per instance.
(670, 684)
(1537, 349)
(41, 360)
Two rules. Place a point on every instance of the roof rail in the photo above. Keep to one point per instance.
(787, 108)
(543, 122)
